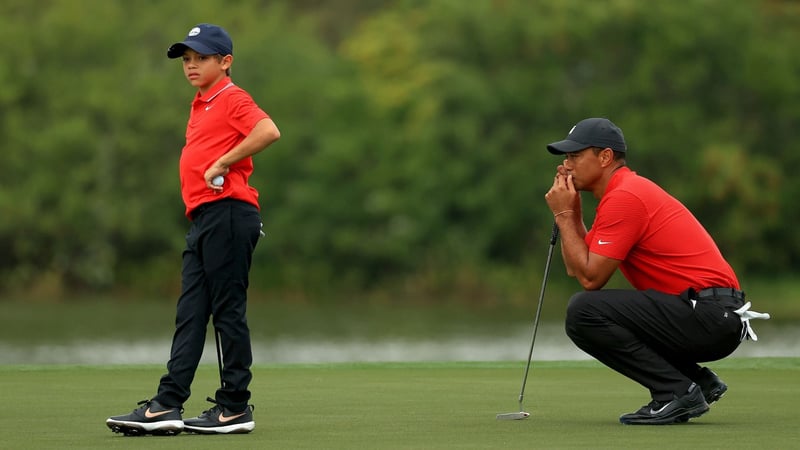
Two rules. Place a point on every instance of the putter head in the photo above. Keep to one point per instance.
(513, 416)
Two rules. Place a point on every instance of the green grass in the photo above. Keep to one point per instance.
(405, 406)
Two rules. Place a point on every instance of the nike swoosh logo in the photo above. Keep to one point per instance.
(656, 411)
(209, 107)
(602, 242)
(151, 415)
(223, 419)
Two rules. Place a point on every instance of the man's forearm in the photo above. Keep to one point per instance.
(574, 251)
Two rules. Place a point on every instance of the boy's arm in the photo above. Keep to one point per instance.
(261, 136)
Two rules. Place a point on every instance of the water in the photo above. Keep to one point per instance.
(551, 344)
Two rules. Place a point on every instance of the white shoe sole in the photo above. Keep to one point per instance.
(163, 427)
(238, 428)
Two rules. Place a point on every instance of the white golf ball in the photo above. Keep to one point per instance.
(218, 180)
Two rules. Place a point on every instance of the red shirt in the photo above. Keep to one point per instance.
(661, 244)
(219, 120)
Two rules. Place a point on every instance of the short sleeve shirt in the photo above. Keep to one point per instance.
(219, 120)
(660, 244)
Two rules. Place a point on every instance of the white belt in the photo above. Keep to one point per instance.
(745, 314)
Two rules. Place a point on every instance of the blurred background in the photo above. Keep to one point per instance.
(403, 205)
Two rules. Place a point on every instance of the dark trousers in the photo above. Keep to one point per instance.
(653, 338)
(216, 264)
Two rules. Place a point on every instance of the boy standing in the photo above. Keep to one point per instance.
(226, 128)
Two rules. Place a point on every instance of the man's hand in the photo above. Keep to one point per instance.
(562, 196)
(561, 170)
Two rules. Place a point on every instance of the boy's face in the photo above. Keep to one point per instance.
(204, 71)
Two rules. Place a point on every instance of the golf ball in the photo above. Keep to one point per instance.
(218, 180)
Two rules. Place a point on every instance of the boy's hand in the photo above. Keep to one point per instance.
(213, 172)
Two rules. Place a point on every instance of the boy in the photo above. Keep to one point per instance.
(226, 128)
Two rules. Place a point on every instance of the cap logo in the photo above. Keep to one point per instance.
(572, 129)
(194, 31)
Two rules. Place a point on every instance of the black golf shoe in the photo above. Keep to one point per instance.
(678, 410)
(221, 420)
(150, 418)
(713, 388)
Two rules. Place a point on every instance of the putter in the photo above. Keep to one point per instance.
(219, 357)
(522, 414)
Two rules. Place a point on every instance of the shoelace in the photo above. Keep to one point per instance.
(745, 314)
(217, 408)
(144, 404)
(214, 410)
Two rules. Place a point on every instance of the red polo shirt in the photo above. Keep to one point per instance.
(661, 244)
(219, 120)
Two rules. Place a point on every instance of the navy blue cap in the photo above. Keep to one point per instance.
(206, 39)
(594, 132)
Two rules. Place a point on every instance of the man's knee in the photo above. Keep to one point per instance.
(580, 309)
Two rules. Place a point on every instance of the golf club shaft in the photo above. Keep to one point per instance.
(553, 239)
(219, 356)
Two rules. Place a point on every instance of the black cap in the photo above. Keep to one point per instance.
(594, 132)
(205, 39)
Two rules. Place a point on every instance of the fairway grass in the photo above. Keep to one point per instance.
(405, 406)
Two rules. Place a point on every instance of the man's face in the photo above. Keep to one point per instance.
(585, 167)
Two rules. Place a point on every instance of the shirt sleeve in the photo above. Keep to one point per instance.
(620, 223)
(244, 113)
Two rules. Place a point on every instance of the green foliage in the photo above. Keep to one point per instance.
(413, 133)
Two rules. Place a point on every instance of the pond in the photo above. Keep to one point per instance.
(511, 345)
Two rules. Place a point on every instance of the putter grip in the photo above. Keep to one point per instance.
(554, 235)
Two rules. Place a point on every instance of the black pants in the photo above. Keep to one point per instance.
(216, 264)
(653, 338)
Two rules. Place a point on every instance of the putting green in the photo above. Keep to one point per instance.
(408, 405)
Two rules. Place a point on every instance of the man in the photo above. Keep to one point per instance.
(687, 306)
